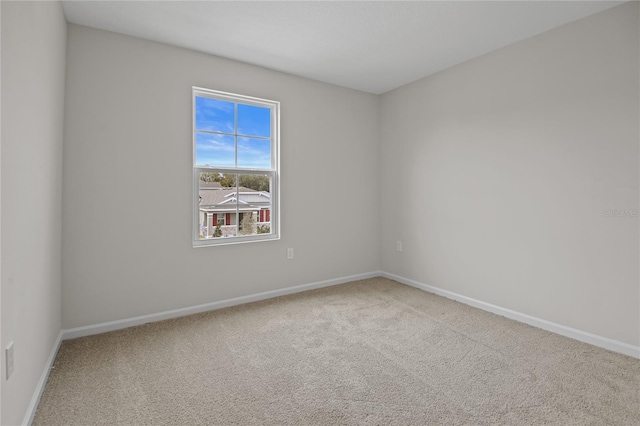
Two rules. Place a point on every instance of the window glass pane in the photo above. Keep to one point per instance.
(255, 204)
(254, 153)
(215, 150)
(214, 115)
(229, 210)
(217, 205)
(254, 121)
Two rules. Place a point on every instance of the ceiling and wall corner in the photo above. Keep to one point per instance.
(368, 46)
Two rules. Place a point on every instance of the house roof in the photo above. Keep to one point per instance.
(219, 198)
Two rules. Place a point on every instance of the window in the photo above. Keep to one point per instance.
(235, 168)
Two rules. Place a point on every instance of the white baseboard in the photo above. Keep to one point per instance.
(583, 336)
(73, 333)
(37, 394)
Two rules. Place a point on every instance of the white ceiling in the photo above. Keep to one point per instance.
(370, 46)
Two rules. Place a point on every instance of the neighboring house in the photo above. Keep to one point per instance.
(219, 205)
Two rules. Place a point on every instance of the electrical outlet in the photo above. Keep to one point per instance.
(290, 253)
(9, 358)
(398, 245)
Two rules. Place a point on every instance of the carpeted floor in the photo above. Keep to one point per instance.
(368, 352)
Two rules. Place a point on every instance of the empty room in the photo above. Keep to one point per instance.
(320, 213)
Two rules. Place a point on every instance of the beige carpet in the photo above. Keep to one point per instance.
(368, 352)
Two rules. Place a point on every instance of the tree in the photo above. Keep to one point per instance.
(228, 180)
(217, 233)
(256, 182)
(248, 224)
(209, 177)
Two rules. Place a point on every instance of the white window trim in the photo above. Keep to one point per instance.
(275, 170)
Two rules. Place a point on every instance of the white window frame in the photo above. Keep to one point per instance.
(274, 171)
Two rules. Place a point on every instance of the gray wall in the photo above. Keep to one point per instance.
(127, 181)
(503, 168)
(33, 66)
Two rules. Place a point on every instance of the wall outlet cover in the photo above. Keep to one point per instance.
(9, 359)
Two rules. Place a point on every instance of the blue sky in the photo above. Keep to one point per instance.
(219, 148)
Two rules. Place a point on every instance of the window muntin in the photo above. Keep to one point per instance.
(235, 162)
